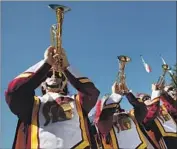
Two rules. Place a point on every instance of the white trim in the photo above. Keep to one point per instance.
(155, 94)
(35, 67)
(114, 98)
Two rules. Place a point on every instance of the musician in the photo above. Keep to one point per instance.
(148, 125)
(118, 128)
(55, 119)
(152, 103)
(158, 123)
(169, 100)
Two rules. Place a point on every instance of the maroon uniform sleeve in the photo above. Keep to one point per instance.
(142, 112)
(152, 112)
(21, 90)
(105, 109)
(86, 89)
(140, 109)
(153, 107)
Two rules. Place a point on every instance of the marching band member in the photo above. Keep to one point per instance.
(56, 119)
(151, 107)
(148, 126)
(169, 100)
(117, 128)
(158, 124)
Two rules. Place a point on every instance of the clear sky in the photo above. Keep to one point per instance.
(94, 34)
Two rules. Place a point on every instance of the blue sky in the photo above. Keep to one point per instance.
(94, 34)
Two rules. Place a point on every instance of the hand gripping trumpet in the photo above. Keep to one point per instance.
(56, 32)
(161, 80)
(123, 60)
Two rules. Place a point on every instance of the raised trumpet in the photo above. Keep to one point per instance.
(56, 32)
(161, 80)
(123, 60)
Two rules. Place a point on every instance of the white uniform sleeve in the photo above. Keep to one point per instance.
(113, 98)
(155, 94)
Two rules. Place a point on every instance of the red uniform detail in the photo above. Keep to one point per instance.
(153, 111)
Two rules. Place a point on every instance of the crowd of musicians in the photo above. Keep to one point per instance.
(57, 119)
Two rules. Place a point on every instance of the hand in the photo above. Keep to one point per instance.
(61, 62)
(50, 55)
(54, 59)
(154, 87)
(161, 85)
(125, 89)
(115, 88)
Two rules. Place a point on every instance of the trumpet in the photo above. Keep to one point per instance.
(161, 80)
(173, 78)
(123, 60)
(56, 32)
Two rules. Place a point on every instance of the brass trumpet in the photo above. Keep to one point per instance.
(56, 31)
(161, 80)
(123, 60)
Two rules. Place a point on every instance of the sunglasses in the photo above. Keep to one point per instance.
(146, 98)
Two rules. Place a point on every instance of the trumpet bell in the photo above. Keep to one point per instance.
(124, 58)
(165, 67)
(62, 7)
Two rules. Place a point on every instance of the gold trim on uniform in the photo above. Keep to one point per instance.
(110, 106)
(155, 100)
(85, 80)
(105, 145)
(161, 128)
(114, 139)
(34, 125)
(113, 143)
(143, 143)
(140, 100)
(24, 75)
(85, 142)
